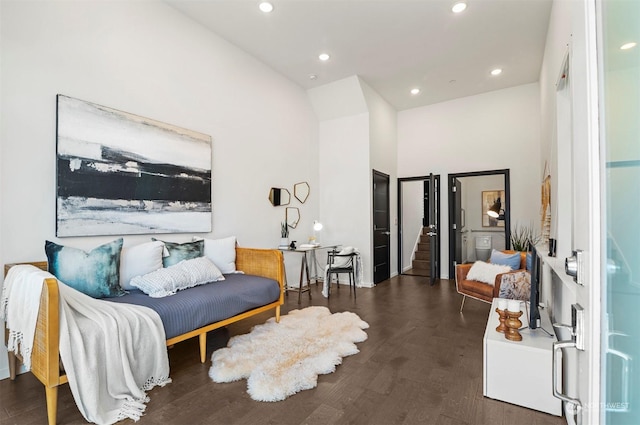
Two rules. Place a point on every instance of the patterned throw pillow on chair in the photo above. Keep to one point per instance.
(516, 286)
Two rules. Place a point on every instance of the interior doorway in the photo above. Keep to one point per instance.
(419, 226)
(473, 232)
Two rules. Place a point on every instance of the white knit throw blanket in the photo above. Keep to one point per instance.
(112, 353)
(23, 286)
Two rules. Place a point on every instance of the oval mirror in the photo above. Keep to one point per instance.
(279, 196)
(301, 191)
(292, 217)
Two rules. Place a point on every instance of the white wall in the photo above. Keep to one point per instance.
(495, 130)
(344, 177)
(383, 140)
(146, 58)
(357, 134)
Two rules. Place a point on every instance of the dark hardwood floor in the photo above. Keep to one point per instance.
(422, 364)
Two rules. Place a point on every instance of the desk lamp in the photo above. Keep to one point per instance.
(317, 227)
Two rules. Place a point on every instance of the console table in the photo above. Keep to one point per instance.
(520, 372)
(304, 268)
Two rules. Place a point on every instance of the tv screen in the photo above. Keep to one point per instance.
(534, 298)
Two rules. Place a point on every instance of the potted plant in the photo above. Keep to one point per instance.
(523, 237)
(284, 235)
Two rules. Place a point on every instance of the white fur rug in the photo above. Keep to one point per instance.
(281, 359)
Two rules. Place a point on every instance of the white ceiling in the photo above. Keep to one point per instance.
(393, 45)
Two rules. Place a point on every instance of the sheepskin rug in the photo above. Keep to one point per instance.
(281, 359)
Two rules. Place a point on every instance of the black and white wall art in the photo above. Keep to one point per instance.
(119, 173)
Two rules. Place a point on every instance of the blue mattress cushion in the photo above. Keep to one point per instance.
(199, 306)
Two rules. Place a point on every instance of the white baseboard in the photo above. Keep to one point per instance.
(4, 372)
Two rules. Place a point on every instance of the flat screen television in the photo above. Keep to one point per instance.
(534, 298)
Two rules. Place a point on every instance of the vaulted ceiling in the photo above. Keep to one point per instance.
(393, 45)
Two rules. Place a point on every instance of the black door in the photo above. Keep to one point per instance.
(458, 223)
(432, 220)
(381, 228)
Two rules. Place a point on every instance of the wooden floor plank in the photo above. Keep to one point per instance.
(421, 364)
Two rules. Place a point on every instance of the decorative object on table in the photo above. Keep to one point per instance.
(292, 245)
(281, 359)
(279, 196)
(301, 191)
(513, 322)
(545, 207)
(523, 237)
(292, 216)
(552, 247)
(120, 173)
(501, 309)
(284, 235)
(492, 202)
(314, 239)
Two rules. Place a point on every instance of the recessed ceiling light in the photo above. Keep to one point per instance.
(627, 46)
(313, 76)
(324, 57)
(265, 6)
(415, 91)
(459, 7)
(496, 71)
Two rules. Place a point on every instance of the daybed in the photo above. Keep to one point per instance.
(254, 263)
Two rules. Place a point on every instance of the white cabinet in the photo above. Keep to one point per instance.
(520, 372)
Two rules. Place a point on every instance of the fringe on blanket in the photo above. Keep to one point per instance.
(134, 409)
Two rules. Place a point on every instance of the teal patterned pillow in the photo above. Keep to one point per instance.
(181, 251)
(95, 273)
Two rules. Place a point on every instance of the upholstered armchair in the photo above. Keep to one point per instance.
(515, 284)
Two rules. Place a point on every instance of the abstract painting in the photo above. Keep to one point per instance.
(119, 173)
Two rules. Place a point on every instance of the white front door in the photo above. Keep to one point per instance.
(583, 167)
(605, 163)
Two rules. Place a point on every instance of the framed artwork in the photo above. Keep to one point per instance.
(492, 198)
(119, 174)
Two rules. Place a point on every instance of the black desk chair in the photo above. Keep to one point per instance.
(341, 263)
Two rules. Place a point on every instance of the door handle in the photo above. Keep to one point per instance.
(386, 233)
(573, 266)
(432, 234)
(623, 405)
(574, 402)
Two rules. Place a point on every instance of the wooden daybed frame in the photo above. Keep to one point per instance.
(45, 357)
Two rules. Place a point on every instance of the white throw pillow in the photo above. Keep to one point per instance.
(486, 272)
(222, 252)
(139, 260)
(185, 274)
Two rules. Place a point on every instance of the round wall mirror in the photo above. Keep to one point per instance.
(301, 191)
(292, 217)
(279, 196)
